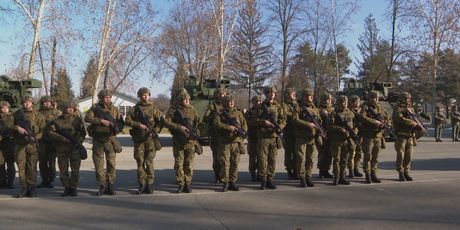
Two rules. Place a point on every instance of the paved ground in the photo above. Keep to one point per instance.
(431, 201)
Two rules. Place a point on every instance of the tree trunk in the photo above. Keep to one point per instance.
(53, 67)
(36, 24)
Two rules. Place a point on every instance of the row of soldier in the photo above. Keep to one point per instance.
(297, 125)
(441, 120)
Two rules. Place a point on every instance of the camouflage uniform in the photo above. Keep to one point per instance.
(356, 153)
(251, 114)
(104, 143)
(47, 149)
(290, 108)
(231, 143)
(184, 147)
(26, 151)
(214, 109)
(372, 132)
(455, 122)
(67, 154)
(325, 156)
(341, 144)
(305, 136)
(7, 155)
(145, 145)
(405, 129)
(268, 142)
(439, 121)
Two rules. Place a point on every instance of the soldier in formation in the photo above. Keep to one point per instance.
(7, 154)
(251, 115)
(105, 122)
(290, 107)
(324, 154)
(145, 120)
(455, 122)
(439, 121)
(354, 159)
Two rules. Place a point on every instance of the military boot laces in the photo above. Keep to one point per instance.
(101, 190)
(374, 178)
(188, 188)
(73, 192)
(406, 175)
(343, 181)
(66, 191)
(233, 187)
(270, 184)
(357, 173)
(368, 178)
(303, 183)
(224, 187)
(401, 176)
(141, 189)
(309, 182)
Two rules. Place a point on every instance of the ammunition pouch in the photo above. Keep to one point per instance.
(116, 145)
(100, 132)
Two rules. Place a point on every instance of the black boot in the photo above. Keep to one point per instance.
(270, 184)
(101, 190)
(224, 186)
(263, 185)
(148, 189)
(253, 177)
(140, 189)
(309, 182)
(351, 173)
(180, 188)
(368, 178)
(43, 184)
(33, 190)
(188, 188)
(111, 190)
(73, 192)
(303, 183)
(342, 181)
(406, 175)
(324, 174)
(23, 191)
(66, 191)
(336, 180)
(233, 187)
(401, 176)
(374, 178)
(10, 183)
(357, 173)
(50, 184)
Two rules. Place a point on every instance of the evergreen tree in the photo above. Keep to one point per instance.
(89, 79)
(63, 91)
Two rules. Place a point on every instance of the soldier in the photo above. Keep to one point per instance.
(372, 131)
(214, 109)
(270, 121)
(455, 122)
(356, 153)
(143, 117)
(305, 132)
(439, 121)
(340, 138)
(405, 128)
(324, 156)
(29, 125)
(7, 155)
(251, 114)
(47, 149)
(290, 107)
(72, 124)
(182, 121)
(233, 129)
(105, 122)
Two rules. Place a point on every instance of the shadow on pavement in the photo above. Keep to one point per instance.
(447, 164)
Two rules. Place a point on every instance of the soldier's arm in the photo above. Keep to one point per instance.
(41, 126)
(243, 122)
(398, 117)
(158, 120)
(365, 119)
(130, 118)
(169, 123)
(297, 121)
(80, 129)
(217, 122)
(91, 117)
(281, 117)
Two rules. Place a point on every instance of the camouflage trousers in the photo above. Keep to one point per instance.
(455, 130)
(305, 151)
(290, 155)
(404, 147)
(183, 161)
(252, 152)
(215, 155)
(371, 149)
(438, 131)
(340, 151)
(324, 156)
(69, 157)
(26, 159)
(144, 153)
(7, 168)
(266, 156)
(103, 150)
(355, 156)
(47, 161)
(229, 160)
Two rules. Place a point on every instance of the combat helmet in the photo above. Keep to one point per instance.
(287, 93)
(104, 93)
(373, 94)
(27, 98)
(183, 95)
(354, 98)
(4, 103)
(45, 98)
(269, 89)
(226, 100)
(220, 91)
(143, 90)
(403, 98)
(306, 92)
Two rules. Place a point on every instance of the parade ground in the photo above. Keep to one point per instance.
(431, 201)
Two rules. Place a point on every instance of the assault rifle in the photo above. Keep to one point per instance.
(75, 143)
(183, 120)
(233, 122)
(344, 124)
(145, 121)
(378, 117)
(420, 125)
(27, 125)
(272, 119)
(116, 125)
(312, 118)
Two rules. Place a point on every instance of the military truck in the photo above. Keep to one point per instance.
(12, 91)
(201, 95)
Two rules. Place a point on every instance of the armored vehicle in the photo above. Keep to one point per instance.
(12, 91)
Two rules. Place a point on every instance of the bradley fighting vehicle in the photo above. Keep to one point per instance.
(202, 95)
(12, 91)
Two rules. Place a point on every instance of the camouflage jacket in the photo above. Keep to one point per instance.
(301, 123)
(290, 109)
(336, 128)
(173, 123)
(222, 125)
(356, 121)
(403, 125)
(260, 116)
(454, 117)
(369, 125)
(49, 114)
(96, 129)
(6, 128)
(73, 125)
(439, 118)
(133, 119)
(251, 115)
(37, 122)
(325, 112)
